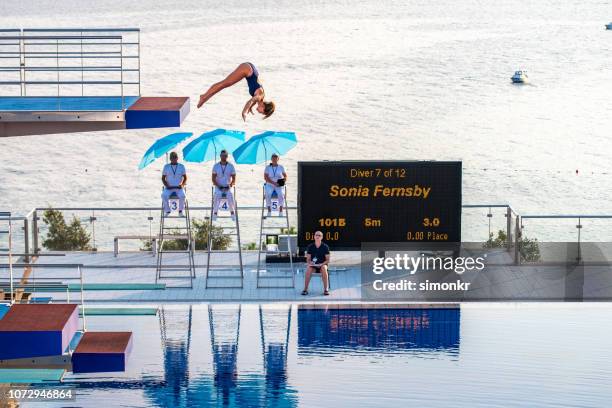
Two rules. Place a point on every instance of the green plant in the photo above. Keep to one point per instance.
(289, 231)
(251, 246)
(200, 229)
(529, 249)
(62, 236)
(498, 242)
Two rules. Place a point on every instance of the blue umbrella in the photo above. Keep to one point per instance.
(161, 147)
(259, 147)
(209, 144)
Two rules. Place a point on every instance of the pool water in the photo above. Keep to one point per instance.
(481, 355)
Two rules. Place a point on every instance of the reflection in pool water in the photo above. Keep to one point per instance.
(288, 356)
(376, 329)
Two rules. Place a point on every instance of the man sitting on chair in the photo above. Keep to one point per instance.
(317, 259)
(275, 177)
(223, 178)
(174, 178)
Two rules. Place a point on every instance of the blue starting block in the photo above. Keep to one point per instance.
(102, 352)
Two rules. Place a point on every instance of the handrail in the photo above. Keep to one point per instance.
(12, 218)
(7, 217)
(208, 207)
(44, 265)
(32, 52)
(152, 208)
(63, 30)
(33, 285)
(67, 69)
(62, 37)
(569, 216)
(486, 206)
(61, 82)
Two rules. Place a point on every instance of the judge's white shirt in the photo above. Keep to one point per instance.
(223, 173)
(274, 172)
(174, 173)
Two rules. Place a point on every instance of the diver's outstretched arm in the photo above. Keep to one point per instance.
(248, 107)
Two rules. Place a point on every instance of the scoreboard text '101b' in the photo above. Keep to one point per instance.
(391, 201)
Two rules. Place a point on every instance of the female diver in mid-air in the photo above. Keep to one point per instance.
(247, 71)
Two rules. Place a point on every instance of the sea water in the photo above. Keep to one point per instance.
(355, 80)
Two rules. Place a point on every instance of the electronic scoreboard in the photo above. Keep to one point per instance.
(372, 201)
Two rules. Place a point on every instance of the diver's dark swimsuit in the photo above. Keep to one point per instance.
(252, 80)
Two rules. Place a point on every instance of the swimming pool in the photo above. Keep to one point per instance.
(517, 355)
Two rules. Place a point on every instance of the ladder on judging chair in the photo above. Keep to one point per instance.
(170, 231)
(8, 250)
(228, 227)
(267, 224)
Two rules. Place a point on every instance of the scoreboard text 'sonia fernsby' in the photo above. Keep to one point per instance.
(390, 201)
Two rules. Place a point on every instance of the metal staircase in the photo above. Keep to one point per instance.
(6, 217)
(230, 226)
(171, 229)
(276, 224)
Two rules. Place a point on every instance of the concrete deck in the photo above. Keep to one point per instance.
(502, 281)
(139, 267)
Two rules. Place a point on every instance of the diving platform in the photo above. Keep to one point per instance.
(102, 352)
(23, 116)
(35, 330)
(77, 80)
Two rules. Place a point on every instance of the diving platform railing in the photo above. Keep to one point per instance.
(76, 62)
(6, 218)
(47, 283)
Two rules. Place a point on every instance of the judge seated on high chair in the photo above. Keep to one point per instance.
(174, 177)
(223, 178)
(275, 177)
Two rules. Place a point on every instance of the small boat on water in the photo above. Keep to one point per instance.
(520, 77)
(609, 26)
